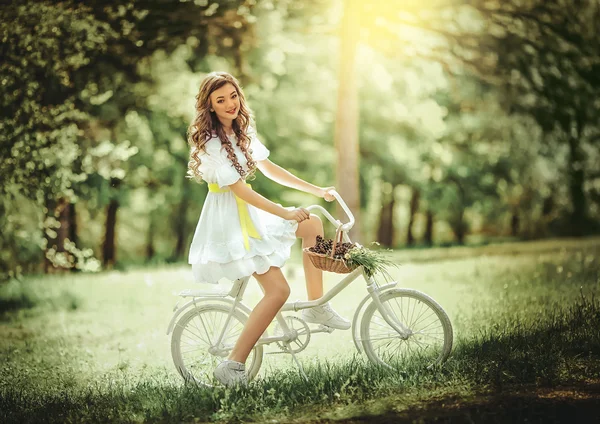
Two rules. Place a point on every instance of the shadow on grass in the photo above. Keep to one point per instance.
(16, 297)
(545, 351)
(23, 301)
(581, 405)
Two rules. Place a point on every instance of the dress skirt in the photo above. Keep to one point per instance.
(218, 250)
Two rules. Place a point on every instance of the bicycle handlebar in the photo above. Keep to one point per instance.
(345, 227)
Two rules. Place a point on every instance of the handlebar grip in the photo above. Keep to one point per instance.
(347, 226)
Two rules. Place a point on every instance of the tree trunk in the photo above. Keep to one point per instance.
(385, 232)
(63, 231)
(346, 123)
(50, 241)
(108, 248)
(514, 223)
(459, 227)
(548, 207)
(548, 214)
(73, 223)
(414, 207)
(150, 239)
(578, 218)
(181, 223)
(429, 228)
(457, 223)
(73, 231)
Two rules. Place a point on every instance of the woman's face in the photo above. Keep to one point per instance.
(225, 101)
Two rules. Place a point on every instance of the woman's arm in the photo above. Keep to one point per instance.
(241, 190)
(284, 177)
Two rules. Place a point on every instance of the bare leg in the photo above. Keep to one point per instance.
(276, 290)
(308, 231)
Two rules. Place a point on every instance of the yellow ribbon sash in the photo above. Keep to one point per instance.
(248, 228)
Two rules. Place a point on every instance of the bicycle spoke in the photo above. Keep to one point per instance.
(433, 337)
(423, 310)
(382, 324)
(390, 337)
(428, 325)
(200, 331)
(183, 352)
(191, 338)
(208, 335)
(434, 321)
(412, 313)
(417, 342)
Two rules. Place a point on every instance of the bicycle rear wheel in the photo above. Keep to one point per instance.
(430, 338)
(194, 342)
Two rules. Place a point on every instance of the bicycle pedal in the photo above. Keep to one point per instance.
(325, 328)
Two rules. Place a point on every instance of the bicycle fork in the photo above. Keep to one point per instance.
(389, 317)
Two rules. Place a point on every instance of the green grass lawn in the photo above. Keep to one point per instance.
(93, 348)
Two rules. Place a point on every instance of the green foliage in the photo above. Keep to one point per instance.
(373, 261)
(485, 110)
(69, 75)
(44, 45)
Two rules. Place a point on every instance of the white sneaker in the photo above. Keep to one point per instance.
(325, 315)
(231, 373)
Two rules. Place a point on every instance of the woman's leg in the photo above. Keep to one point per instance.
(323, 314)
(276, 291)
(308, 231)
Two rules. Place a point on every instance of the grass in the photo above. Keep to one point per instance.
(93, 348)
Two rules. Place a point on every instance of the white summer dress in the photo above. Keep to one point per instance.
(219, 249)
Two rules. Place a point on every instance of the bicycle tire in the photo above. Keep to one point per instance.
(375, 329)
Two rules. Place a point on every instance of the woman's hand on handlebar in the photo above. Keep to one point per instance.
(325, 194)
(298, 214)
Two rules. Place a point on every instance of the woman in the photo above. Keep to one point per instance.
(240, 232)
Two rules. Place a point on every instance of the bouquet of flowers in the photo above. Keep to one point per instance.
(355, 255)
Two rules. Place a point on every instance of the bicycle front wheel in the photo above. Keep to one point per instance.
(202, 339)
(429, 339)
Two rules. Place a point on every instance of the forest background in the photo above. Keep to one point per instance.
(439, 121)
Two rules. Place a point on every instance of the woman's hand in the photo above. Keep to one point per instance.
(298, 214)
(324, 193)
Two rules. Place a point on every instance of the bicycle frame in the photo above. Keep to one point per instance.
(373, 288)
(239, 287)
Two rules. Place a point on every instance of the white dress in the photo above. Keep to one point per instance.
(218, 250)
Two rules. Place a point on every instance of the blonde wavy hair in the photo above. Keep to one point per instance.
(206, 125)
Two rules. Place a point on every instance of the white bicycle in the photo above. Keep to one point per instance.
(390, 325)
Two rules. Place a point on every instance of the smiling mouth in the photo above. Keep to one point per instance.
(232, 111)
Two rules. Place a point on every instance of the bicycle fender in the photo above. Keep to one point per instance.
(197, 301)
(359, 310)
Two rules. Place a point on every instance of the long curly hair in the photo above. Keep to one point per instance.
(206, 125)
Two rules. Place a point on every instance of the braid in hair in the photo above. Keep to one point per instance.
(243, 142)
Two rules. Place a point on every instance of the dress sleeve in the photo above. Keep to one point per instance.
(259, 151)
(216, 168)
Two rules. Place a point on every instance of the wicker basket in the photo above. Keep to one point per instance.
(328, 263)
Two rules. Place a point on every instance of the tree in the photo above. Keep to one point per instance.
(346, 123)
(544, 55)
(62, 61)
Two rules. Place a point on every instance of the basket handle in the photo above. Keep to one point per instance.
(338, 234)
